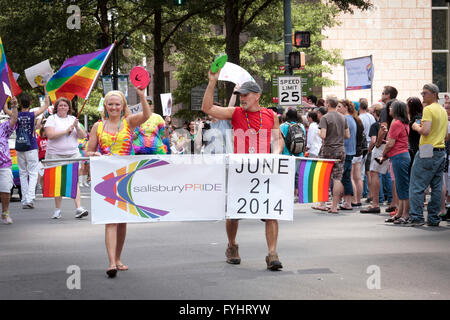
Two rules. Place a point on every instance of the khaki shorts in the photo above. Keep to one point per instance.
(6, 180)
(375, 166)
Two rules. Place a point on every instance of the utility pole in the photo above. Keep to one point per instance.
(287, 35)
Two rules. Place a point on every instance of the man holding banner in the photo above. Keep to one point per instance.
(253, 127)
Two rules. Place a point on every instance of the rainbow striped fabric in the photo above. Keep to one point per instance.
(61, 181)
(77, 75)
(5, 86)
(314, 180)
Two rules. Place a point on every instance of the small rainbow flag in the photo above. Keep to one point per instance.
(5, 86)
(61, 181)
(314, 180)
(77, 75)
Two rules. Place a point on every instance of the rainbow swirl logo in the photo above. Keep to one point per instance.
(116, 188)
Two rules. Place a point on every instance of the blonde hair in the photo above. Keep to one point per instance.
(126, 111)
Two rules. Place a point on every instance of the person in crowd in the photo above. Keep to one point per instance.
(291, 116)
(42, 144)
(148, 137)
(63, 131)
(249, 116)
(193, 140)
(333, 130)
(367, 120)
(113, 136)
(320, 103)
(6, 176)
(27, 153)
(313, 141)
(396, 150)
(84, 165)
(446, 209)
(388, 95)
(429, 162)
(376, 148)
(345, 107)
(357, 162)
(415, 110)
(219, 136)
(321, 112)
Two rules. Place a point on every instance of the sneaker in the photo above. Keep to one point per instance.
(232, 254)
(432, 224)
(29, 205)
(273, 263)
(416, 223)
(6, 219)
(80, 213)
(57, 214)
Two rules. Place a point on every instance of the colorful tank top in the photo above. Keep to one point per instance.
(119, 144)
(149, 136)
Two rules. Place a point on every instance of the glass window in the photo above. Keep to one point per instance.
(439, 3)
(440, 71)
(166, 82)
(440, 31)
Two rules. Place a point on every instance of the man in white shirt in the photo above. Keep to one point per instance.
(367, 120)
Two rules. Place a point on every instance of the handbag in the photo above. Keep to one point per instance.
(23, 142)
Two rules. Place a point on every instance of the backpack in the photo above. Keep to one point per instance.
(295, 139)
(23, 142)
(361, 141)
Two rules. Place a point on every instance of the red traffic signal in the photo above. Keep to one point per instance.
(302, 39)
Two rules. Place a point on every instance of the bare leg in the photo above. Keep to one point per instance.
(272, 235)
(121, 235)
(111, 243)
(78, 198)
(5, 196)
(375, 188)
(338, 188)
(232, 228)
(58, 202)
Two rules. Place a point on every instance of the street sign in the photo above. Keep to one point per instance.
(197, 94)
(289, 90)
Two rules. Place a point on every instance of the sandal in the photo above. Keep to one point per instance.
(344, 208)
(401, 221)
(319, 208)
(111, 272)
(334, 212)
(391, 209)
(122, 267)
(392, 219)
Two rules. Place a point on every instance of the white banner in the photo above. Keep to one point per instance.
(261, 186)
(151, 188)
(360, 73)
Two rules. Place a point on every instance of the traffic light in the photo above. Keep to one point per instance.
(302, 39)
(296, 60)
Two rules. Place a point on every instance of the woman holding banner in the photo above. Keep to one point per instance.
(114, 136)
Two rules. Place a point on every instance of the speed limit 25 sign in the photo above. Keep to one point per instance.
(289, 90)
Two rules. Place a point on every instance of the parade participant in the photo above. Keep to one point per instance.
(250, 116)
(27, 153)
(63, 131)
(114, 136)
(429, 162)
(148, 137)
(6, 176)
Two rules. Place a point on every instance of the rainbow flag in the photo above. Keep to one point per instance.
(78, 74)
(314, 180)
(5, 86)
(61, 181)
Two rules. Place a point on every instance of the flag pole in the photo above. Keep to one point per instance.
(96, 78)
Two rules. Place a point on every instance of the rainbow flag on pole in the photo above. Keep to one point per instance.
(314, 180)
(78, 74)
(5, 86)
(61, 181)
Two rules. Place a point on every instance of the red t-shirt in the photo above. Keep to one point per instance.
(399, 132)
(42, 144)
(253, 139)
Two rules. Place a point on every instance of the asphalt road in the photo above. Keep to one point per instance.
(325, 256)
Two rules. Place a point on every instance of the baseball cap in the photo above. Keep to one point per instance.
(247, 87)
